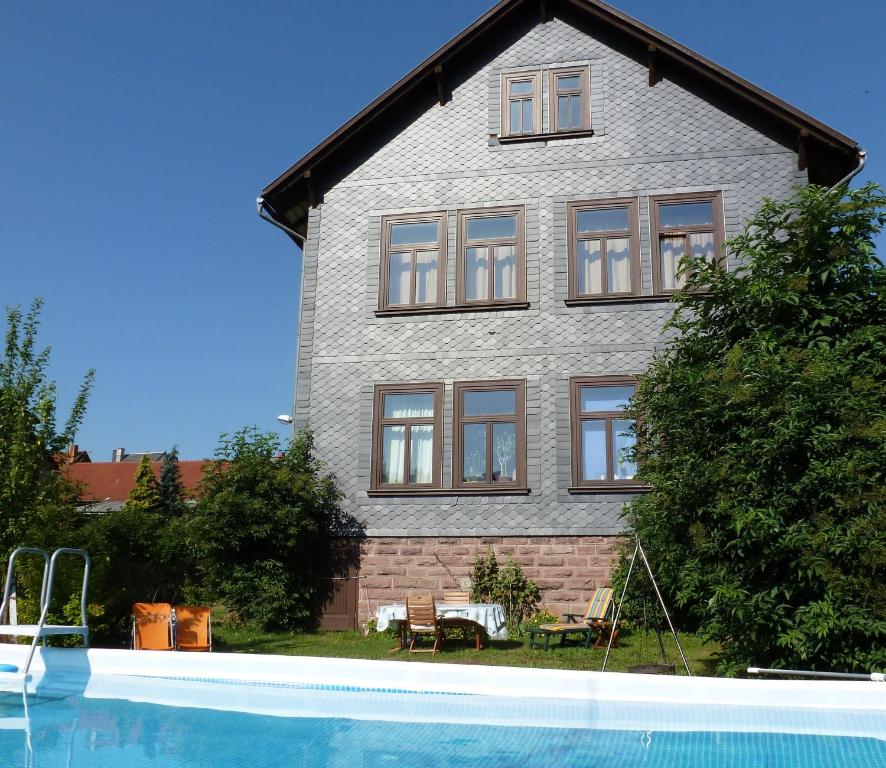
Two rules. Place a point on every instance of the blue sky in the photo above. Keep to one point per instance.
(134, 138)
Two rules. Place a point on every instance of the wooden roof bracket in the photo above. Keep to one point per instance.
(314, 195)
(802, 149)
(440, 78)
(653, 65)
(543, 15)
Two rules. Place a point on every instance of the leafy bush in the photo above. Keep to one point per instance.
(264, 529)
(762, 431)
(542, 617)
(506, 585)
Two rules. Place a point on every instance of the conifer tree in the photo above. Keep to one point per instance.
(171, 491)
(145, 494)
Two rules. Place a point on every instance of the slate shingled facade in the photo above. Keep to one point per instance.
(670, 137)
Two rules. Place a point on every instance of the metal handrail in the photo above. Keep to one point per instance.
(10, 575)
(87, 564)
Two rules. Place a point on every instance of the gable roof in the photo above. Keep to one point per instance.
(111, 481)
(829, 153)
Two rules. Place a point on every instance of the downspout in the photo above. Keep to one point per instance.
(299, 240)
(862, 157)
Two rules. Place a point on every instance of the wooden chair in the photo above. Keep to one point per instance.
(152, 626)
(466, 626)
(193, 628)
(421, 619)
(593, 621)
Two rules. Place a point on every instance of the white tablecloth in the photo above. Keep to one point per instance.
(490, 616)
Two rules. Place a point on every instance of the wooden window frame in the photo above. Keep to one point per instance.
(584, 91)
(384, 261)
(459, 419)
(576, 415)
(461, 261)
(379, 422)
(505, 110)
(633, 232)
(657, 231)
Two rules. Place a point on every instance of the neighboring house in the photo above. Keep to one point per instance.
(489, 251)
(105, 485)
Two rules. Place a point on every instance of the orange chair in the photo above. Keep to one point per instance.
(152, 627)
(193, 628)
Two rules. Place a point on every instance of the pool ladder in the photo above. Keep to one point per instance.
(42, 629)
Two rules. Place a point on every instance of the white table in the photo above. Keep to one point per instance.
(489, 616)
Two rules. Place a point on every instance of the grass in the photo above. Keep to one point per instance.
(635, 648)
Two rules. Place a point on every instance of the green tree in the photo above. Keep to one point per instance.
(30, 488)
(264, 528)
(762, 431)
(170, 488)
(145, 494)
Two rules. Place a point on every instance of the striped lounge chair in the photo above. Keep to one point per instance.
(596, 621)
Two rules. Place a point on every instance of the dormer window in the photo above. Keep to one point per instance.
(521, 104)
(570, 99)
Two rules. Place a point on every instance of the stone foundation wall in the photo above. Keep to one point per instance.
(567, 569)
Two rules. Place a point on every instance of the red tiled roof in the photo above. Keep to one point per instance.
(112, 481)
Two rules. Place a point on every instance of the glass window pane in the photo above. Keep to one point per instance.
(671, 253)
(392, 454)
(562, 112)
(489, 402)
(613, 397)
(575, 111)
(505, 272)
(486, 227)
(685, 214)
(701, 245)
(521, 87)
(474, 453)
(421, 454)
(618, 264)
(593, 450)
(622, 442)
(527, 116)
(399, 276)
(413, 405)
(568, 82)
(425, 277)
(603, 220)
(504, 452)
(477, 273)
(516, 111)
(590, 271)
(418, 232)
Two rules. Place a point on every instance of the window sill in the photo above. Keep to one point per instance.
(546, 136)
(610, 488)
(584, 301)
(511, 491)
(487, 307)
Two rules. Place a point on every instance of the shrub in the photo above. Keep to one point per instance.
(506, 585)
(762, 431)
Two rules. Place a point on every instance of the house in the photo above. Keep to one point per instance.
(105, 485)
(489, 251)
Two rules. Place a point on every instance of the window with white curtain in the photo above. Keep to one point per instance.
(570, 98)
(491, 264)
(521, 104)
(489, 434)
(602, 432)
(604, 249)
(684, 227)
(413, 273)
(407, 436)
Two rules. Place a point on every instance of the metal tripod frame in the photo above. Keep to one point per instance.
(638, 550)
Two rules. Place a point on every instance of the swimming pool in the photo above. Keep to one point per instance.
(116, 708)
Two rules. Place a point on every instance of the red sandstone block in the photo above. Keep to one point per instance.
(447, 540)
(507, 551)
(605, 549)
(553, 572)
(576, 560)
(414, 582)
(585, 549)
(548, 560)
(549, 584)
(459, 550)
(527, 550)
(556, 549)
(377, 582)
(490, 540)
(385, 549)
(410, 550)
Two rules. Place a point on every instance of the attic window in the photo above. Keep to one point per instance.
(521, 104)
(570, 92)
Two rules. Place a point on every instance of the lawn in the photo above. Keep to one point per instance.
(636, 648)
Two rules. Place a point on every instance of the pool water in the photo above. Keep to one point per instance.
(63, 726)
